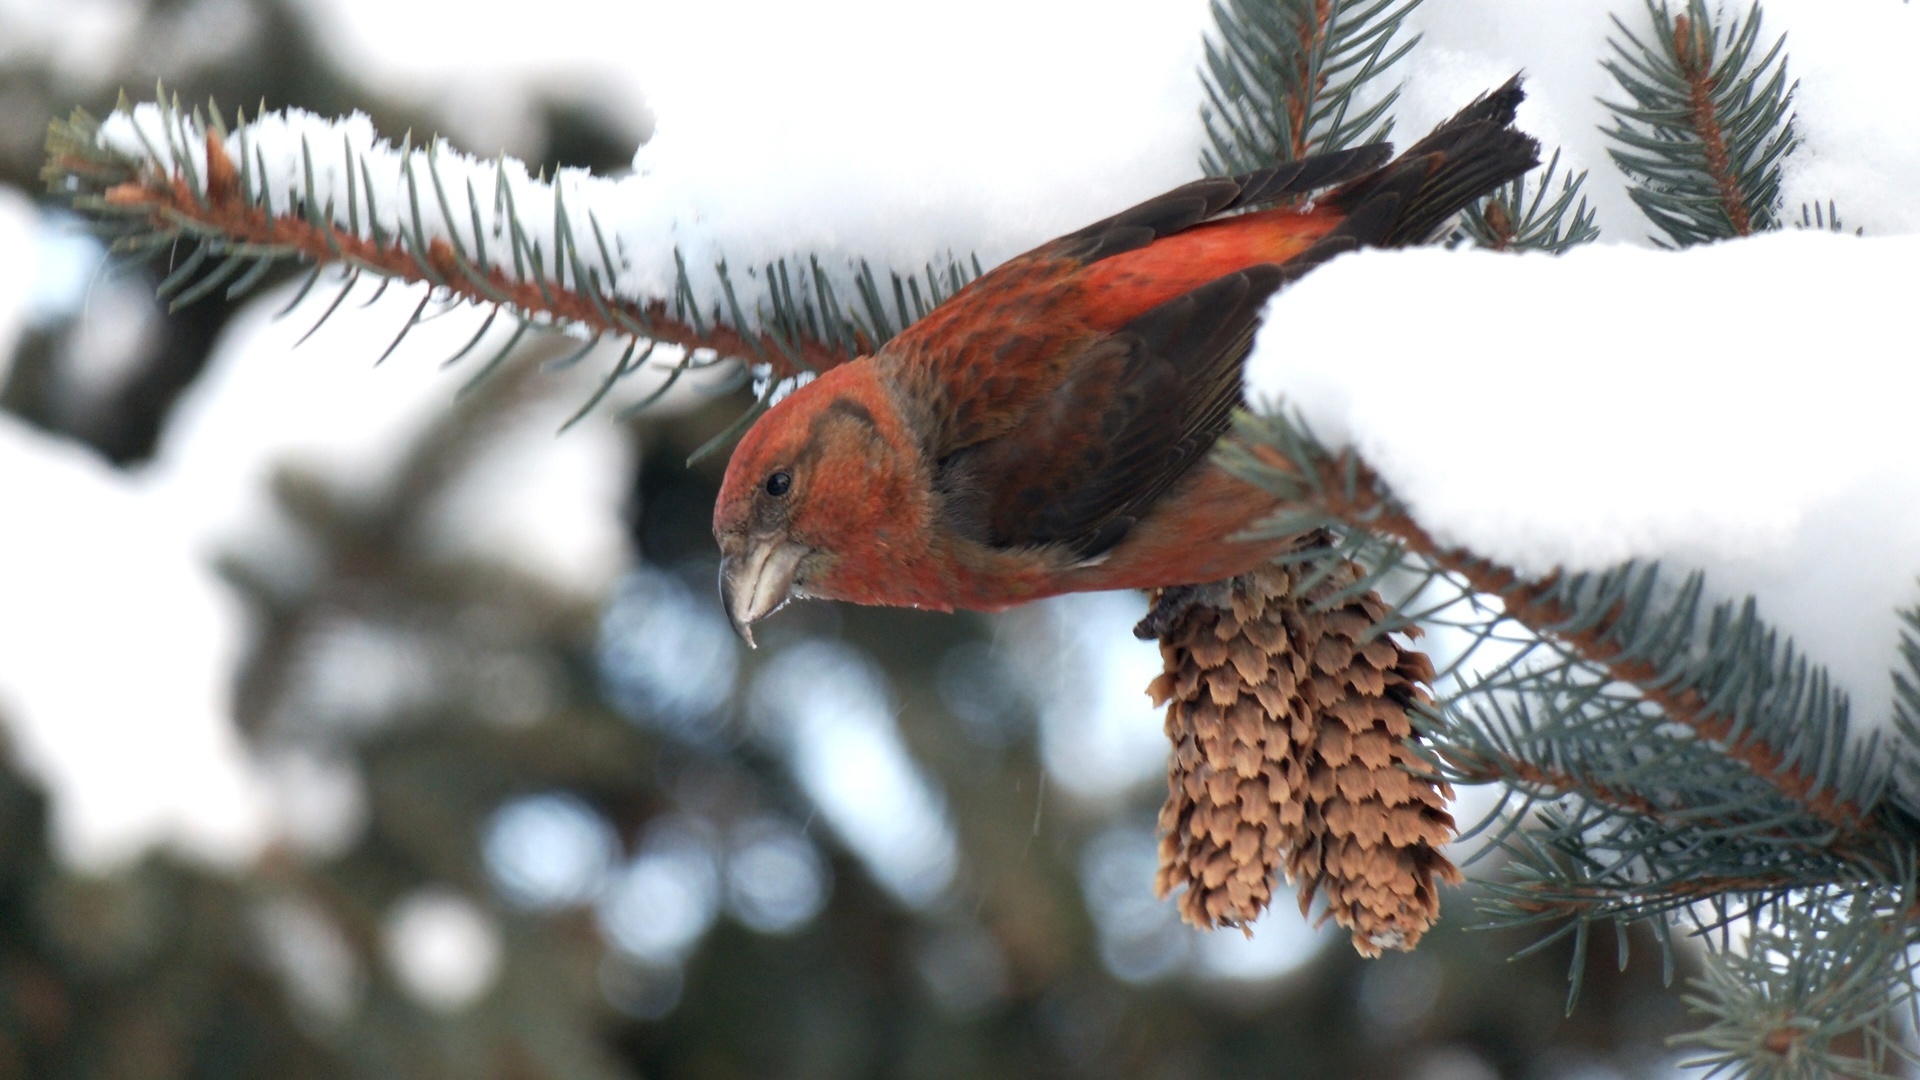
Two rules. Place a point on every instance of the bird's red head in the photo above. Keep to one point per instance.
(828, 481)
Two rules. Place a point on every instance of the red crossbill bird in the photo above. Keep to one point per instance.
(1047, 429)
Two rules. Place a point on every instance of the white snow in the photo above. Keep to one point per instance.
(1071, 109)
(120, 647)
(542, 502)
(18, 292)
(121, 643)
(1856, 149)
(1746, 408)
(894, 131)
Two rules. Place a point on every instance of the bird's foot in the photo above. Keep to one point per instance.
(1174, 602)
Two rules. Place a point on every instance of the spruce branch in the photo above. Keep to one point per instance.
(1708, 122)
(1906, 693)
(472, 242)
(1630, 693)
(1665, 760)
(1531, 215)
(1808, 996)
(1283, 78)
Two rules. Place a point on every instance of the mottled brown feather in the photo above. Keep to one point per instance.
(1134, 412)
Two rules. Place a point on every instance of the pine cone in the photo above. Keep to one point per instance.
(1291, 750)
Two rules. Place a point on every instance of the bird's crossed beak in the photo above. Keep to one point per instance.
(757, 581)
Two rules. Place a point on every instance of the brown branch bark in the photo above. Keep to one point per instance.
(1299, 104)
(1555, 782)
(225, 210)
(1501, 223)
(1551, 781)
(1532, 604)
(1570, 902)
(1692, 52)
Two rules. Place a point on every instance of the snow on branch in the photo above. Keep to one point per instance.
(548, 251)
(1660, 760)
(1611, 631)
(1664, 560)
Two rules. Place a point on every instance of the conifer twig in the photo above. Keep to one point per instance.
(1708, 122)
(222, 211)
(1522, 216)
(1284, 76)
(1345, 490)
(1693, 48)
(1307, 82)
(291, 187)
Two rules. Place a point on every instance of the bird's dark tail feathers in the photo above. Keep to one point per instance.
(1407, 200)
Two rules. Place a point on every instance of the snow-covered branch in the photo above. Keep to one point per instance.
(547, 250)
(1682, 543)
(1602, 620)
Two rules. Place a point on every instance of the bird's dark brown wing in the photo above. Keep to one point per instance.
(1138, 408)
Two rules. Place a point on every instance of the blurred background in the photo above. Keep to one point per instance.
(358, 725)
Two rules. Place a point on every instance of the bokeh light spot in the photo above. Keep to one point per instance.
(444, 948)
(667, 659)
(659, 905)
(828, 705)
(548, 851)
(1141, 937)
(776, 880)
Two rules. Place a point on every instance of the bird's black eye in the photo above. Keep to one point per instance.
(779, 484)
